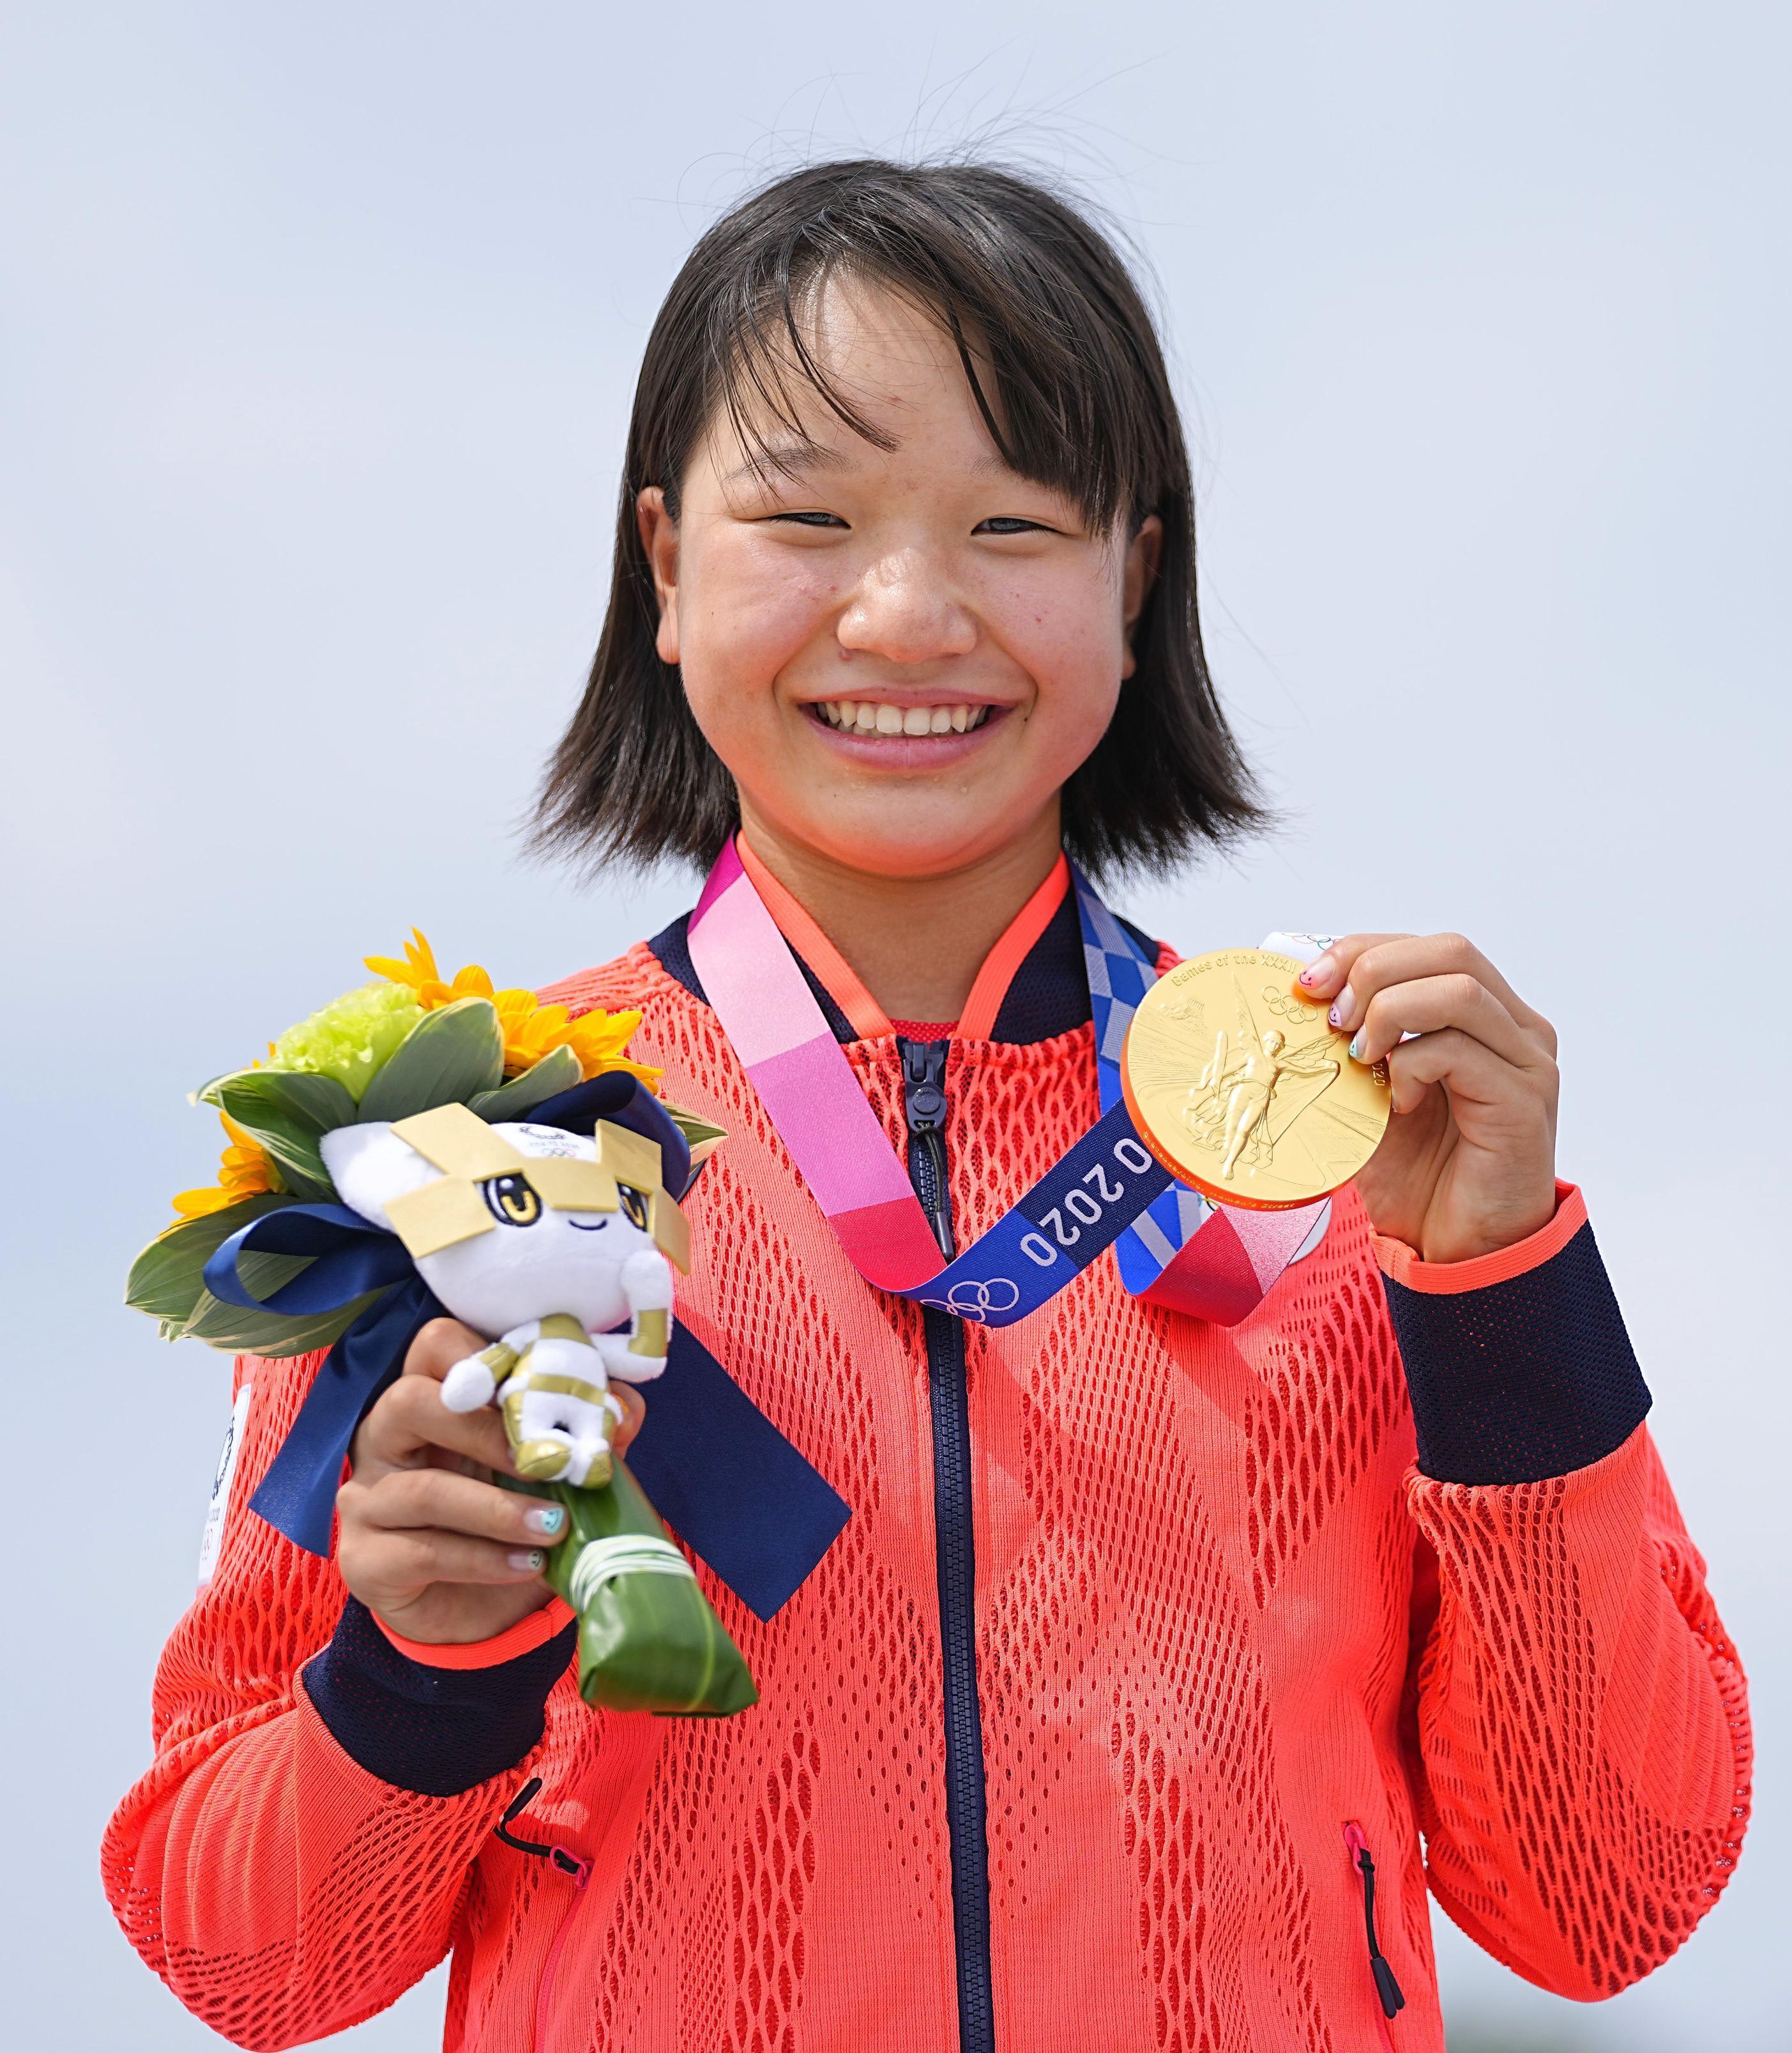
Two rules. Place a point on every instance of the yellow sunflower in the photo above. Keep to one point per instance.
(243, 1172)
(531, 1030)
(418, 971)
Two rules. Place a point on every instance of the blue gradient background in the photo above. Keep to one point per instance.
(317, 332)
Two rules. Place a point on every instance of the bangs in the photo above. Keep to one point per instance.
(1048, 374)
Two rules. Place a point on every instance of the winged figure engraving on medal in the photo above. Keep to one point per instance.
(1259, 1102)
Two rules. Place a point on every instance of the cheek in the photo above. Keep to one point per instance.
(1064, 629)
(746, 612)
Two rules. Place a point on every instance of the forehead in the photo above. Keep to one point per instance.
(543, 1142)
(868, 381)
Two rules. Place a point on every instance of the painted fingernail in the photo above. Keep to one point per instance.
(1317, 970)
(546, 1519)
(1341, 1006)
(528, 1561)
(1357, 1043)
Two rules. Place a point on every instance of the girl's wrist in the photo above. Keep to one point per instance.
(539, 1623)
(446, 1722)
(1489, 1233)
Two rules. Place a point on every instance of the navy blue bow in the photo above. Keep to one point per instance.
(719, 1471)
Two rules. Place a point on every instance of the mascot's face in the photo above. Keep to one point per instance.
(535, 1261)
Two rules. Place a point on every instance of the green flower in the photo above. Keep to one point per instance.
(352, 1037)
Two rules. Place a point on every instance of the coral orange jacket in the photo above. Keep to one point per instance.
(1150, 1682)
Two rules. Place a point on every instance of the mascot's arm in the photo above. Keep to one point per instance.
(473, 1383)
(641, 1356)
(312, 1785)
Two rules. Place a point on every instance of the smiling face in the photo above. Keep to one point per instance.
(532, 1260)
(899, 654)
(537, 1261)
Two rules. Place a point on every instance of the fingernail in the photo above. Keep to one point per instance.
(1341, 1006)
(1357, 1043)
(1316, 972)
(546, 1518)
(528, 1561)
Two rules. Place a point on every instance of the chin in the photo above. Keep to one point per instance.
(902, 838)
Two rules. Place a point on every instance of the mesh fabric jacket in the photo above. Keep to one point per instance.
(1221, 1614)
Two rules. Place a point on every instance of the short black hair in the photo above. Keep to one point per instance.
(1029, 286)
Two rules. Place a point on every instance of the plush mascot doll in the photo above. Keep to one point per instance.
(503, 1220)
(446, 1147)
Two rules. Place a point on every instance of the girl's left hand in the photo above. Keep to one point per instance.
(1468, 1162)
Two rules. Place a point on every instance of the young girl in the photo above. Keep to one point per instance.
(1160, 1663)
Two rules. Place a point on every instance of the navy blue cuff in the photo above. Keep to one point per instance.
(437, 1731)
(1524, 1379)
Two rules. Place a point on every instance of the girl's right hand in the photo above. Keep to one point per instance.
(427, 1540)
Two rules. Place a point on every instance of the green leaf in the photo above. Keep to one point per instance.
(301, 1096)
(557, 1071)
(167, 1279)
(235, 1331)
(286, 1111)
(307, 1095)
(694, 1129)
(449, 1057)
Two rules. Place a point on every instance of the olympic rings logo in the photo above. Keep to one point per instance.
(976, 1298)
(1082, 1205)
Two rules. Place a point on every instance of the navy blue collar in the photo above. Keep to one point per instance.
(1048, 995)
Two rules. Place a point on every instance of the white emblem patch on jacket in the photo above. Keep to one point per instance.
(218, 1509)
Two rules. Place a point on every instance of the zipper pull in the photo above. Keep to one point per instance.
(1386, 1987)
(562, 1857)
(923, 1107)
(923, 1085)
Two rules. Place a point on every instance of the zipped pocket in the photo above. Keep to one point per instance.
(1387, 1989)
(568, 1863)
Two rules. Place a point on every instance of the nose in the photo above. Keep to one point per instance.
(905, 610)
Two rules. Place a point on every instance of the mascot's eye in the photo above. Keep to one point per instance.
(635, 1203)
(512, 1200)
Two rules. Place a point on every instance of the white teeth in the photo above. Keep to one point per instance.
(867, 716)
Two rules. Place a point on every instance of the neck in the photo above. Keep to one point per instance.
(916, 943)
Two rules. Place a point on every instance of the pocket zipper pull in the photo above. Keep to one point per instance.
(1386, 1987)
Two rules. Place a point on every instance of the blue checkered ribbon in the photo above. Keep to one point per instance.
(1119, 974)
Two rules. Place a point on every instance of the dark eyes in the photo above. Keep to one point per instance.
(511, 1200)
(1000, 524)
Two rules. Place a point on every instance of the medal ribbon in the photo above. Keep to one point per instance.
(1174, 1249)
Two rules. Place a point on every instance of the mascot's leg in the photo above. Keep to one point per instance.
(558, 1412)
(647, 1287)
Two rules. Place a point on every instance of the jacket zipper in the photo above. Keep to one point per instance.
(923, 1097)
(1386, 1987)
(569, 1863)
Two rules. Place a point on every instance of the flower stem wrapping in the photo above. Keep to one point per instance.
(649, 1638)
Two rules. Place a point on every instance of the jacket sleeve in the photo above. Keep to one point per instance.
(295, 1857)
(1581, 1718)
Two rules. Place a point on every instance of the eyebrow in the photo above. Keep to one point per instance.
(791, 458)
(788, 457)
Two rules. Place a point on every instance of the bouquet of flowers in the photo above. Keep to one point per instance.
(422, 1146)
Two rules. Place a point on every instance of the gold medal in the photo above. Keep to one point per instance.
(1241, 1086)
